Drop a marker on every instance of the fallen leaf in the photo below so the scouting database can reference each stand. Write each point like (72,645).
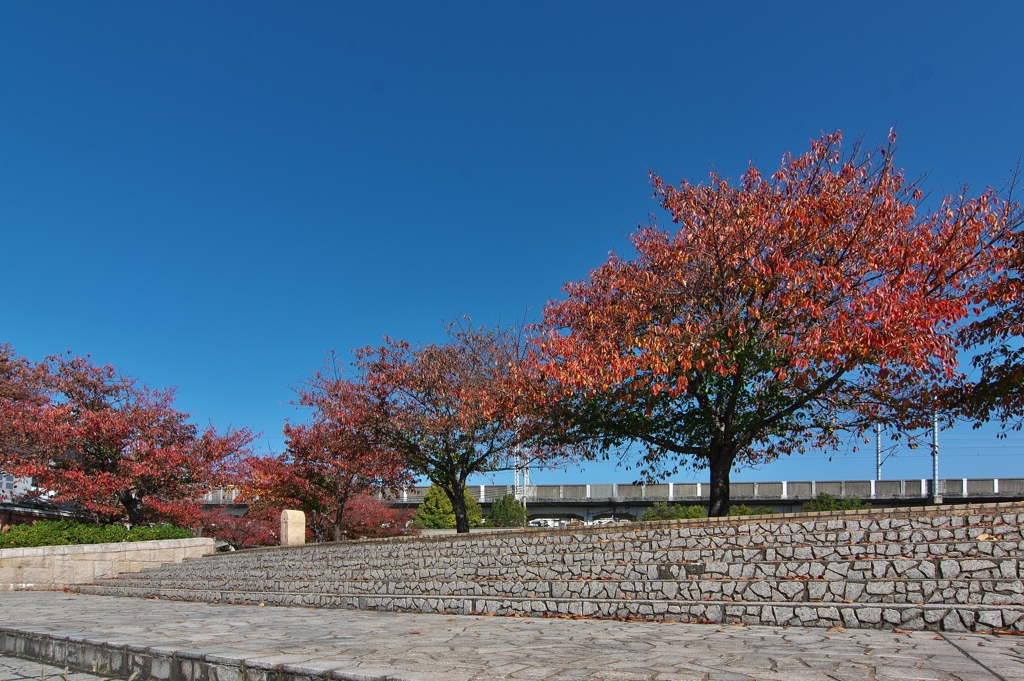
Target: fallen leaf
(835,629)
(897,630)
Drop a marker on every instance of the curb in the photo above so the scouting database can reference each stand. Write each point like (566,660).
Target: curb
(79,652)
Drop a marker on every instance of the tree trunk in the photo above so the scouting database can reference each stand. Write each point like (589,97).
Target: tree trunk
(458,499)
(134,508)
(720,466)
(340,499)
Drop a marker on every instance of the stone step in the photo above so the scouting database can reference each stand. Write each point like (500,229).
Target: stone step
(878,615)
(937,524)
(642,540)
(274,564)
(950,591)
(955,569)
(860,569)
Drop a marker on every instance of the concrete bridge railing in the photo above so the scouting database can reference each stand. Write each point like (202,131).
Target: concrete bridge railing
(961,489)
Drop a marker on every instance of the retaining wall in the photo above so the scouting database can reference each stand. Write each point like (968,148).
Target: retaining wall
(58,567)
(956,568)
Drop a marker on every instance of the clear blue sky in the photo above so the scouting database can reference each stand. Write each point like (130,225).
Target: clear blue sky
(213,195)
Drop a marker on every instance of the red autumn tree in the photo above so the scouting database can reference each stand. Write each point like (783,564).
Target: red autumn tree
(455,409)
(331,459)
(22,397)
(996,390)
(117,448)
(257,527)
(369,516)
(768,318)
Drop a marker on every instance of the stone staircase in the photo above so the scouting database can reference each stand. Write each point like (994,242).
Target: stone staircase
(954,568)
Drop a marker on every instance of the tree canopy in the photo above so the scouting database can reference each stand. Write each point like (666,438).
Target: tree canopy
(331,459)
(779,311)
(117,449)
(455,409)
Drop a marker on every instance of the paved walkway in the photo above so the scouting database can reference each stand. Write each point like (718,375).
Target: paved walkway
(252,642)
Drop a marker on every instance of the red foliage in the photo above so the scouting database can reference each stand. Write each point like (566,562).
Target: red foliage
(369,517)
(331,459)
(258,527)
(455,409)
(779,311)
(113,446)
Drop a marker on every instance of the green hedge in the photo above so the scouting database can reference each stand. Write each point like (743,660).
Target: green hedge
(664,511)
(743,509)
(56,533)
(827,502)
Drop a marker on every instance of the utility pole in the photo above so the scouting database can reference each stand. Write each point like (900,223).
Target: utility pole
(936,493)
(521,477)
(878,451)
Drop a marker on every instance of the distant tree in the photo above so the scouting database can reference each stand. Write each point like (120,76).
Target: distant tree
(455,409)
(115,447)
(369,517)
(507,512)
(778,314)
(258,527)
(337,454)
(437,513)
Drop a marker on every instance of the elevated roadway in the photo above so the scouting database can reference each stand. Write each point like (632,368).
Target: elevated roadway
(629,501)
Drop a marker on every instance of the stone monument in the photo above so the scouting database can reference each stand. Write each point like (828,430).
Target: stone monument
(293,528)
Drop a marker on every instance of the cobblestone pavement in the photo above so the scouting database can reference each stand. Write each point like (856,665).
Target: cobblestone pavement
(371,646)
(17,669)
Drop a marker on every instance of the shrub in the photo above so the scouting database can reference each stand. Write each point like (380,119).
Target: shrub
(153,532)
(59,532)
(827,502)
(664,511)
(743,509)
(368,517)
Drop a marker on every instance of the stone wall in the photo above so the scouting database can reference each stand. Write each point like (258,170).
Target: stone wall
(58,567)
(954,568)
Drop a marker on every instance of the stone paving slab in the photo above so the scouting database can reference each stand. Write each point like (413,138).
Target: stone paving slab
(180,641)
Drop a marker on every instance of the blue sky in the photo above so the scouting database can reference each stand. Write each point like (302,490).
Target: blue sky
(213,195)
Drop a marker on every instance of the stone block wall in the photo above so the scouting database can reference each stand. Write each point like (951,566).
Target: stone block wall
(958,568)
(58,567)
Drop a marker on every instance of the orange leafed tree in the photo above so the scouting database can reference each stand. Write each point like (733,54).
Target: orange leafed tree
(996,388)
(108,444)
(455,409)
(332,459)
(779,311)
